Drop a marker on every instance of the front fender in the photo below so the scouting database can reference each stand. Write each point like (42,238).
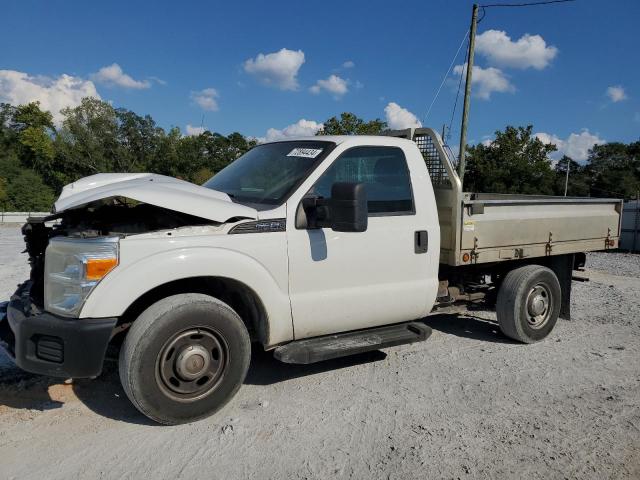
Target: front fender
(128,282)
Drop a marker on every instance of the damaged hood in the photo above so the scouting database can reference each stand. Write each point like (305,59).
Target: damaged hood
(158,190)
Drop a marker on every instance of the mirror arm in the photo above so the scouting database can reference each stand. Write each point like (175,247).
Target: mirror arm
(317,212)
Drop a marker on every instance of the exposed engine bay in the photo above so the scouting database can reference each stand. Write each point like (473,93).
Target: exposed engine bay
(110,217)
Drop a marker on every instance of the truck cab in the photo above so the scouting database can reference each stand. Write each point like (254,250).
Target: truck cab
(312,247)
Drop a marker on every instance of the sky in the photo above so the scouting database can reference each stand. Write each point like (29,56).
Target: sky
(272,69)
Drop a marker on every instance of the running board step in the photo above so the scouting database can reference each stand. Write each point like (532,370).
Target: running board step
(317,349)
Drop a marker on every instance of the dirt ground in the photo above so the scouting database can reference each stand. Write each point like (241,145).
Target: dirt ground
(467,403)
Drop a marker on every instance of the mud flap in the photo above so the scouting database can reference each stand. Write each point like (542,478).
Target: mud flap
(562,266)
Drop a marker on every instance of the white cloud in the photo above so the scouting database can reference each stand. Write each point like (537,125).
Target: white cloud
(159,81)
(616,93)
(399,118)
(348,64)
(193,131)
(334,84)
(302,128)
(113,76)
(53,94)
(278,69)
(486,80)
(529,51)
(576,145)
(206,99)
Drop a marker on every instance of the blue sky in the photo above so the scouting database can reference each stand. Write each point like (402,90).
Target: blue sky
(574,77)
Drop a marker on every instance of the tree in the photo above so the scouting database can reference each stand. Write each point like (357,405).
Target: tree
(614,169)
(4,196)
(27,192)
(350,124)
(578,185)
(34,129)
(515,162)
(139,139)
(87,142)
(37,160)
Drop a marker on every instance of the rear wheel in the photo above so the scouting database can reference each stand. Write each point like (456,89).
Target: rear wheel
(528,303)
(184,358)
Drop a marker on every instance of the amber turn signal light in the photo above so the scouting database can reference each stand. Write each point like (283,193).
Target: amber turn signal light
(97,268)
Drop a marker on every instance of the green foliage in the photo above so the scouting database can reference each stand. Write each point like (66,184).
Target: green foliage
(614,169)
(4,195)
(27,192)
(515,162)
(37,159)
(350,124)
(34,128)
(578,185)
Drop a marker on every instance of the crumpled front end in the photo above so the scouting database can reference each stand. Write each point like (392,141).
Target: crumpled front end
(47,344)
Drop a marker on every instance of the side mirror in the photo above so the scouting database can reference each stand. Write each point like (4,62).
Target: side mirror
(345,211)
(348,210)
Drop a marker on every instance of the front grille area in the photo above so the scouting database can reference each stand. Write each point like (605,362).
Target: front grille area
(50,349)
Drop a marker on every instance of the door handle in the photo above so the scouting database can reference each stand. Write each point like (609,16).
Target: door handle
(421,241)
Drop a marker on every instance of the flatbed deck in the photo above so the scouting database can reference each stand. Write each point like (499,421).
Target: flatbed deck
(486,227)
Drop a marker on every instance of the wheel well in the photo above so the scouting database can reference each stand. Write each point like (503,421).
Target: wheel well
(237,295)
(562,265)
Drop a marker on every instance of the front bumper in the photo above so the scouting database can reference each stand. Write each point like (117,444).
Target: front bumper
(43,343)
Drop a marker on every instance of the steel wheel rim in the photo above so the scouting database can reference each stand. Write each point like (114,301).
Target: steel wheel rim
(191,364)
(539,306)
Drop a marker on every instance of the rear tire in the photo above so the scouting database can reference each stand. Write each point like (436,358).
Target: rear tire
(184,358)
(528,303)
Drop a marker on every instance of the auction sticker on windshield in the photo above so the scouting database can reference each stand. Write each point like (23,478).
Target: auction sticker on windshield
(304,152)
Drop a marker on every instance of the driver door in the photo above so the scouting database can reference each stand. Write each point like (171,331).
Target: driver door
(346,281)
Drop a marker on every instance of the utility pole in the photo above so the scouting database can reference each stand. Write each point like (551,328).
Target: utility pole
(467,93)
(637,221)
(566,180)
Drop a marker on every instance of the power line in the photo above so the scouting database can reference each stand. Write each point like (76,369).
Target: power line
(444,79)
(453,112)
(530,4)
(483,14)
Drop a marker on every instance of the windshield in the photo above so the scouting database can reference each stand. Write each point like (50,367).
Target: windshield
(268,173)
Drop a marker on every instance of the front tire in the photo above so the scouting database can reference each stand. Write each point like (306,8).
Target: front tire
(528,303)
(184,358)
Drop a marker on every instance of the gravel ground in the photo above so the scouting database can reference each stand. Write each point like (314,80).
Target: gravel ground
(468,403)
(624,264)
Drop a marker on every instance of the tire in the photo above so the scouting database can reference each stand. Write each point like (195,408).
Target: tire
(184,358)
(528,303)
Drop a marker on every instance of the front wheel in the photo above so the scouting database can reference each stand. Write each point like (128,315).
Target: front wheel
(528,303)
(184,358)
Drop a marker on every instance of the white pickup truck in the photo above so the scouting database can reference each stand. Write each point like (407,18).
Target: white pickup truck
(314,248)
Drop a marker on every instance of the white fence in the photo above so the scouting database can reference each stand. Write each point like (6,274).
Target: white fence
(19,217)
(630,237)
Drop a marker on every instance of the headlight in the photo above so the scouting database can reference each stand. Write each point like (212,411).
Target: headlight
(73,267)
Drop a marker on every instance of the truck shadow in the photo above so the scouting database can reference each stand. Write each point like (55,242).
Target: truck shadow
(466,326)
(266,370)
(105,396)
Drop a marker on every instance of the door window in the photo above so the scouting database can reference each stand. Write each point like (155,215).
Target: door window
(383,170)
